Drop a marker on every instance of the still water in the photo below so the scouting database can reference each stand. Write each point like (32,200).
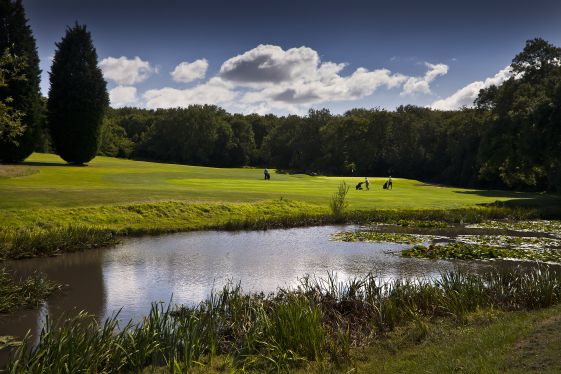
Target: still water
(188,265)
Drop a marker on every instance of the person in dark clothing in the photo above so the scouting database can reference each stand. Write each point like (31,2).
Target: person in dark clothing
(267,174)
(359,186)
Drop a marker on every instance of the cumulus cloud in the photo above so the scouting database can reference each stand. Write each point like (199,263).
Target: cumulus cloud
(415,85)
(270,64)
(297,95)
(124,71)
(187,72)
(215,91)
(268,78)
(466,95)
(123,96)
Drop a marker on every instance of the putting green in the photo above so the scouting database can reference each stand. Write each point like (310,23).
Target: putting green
(44,180)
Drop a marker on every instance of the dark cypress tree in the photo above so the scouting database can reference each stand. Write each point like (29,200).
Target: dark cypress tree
(17,38)
(77,97)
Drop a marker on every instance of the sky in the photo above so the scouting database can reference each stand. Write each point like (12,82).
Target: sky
(285,57)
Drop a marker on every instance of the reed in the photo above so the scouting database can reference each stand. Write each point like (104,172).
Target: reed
(319,322)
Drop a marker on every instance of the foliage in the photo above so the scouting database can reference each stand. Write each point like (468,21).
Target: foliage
(20,100)
(316,322)
(77,97)
(338,202)
(11,127)
(521,147)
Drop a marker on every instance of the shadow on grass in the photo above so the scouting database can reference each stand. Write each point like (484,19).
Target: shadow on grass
(504,194)
(547,203)
(37,163)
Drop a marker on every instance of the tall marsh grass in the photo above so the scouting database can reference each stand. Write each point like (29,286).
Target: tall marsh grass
(318,321)
(46,241)
(338,203)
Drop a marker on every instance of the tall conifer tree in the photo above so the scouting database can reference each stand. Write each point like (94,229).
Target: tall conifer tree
(77,97)
(17,38)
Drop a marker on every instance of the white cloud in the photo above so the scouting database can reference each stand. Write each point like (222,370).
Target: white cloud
(123,96)
(124,71)
(215,91)
(268,79)
(421,85)
(466,95)
(187,72)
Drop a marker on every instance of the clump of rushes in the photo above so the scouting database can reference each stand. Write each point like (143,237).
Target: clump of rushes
(23,293)
(316,323)
(464,251)
(338,203)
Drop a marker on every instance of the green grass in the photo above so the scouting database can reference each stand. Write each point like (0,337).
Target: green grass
(115,181)
(61,208)
(489,342)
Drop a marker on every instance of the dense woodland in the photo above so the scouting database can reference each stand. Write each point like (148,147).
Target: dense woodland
(510,139)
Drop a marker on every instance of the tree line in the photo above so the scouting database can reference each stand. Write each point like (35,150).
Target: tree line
(510,139)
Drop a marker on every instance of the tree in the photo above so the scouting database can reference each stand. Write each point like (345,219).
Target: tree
(78,97)
(23,94)
(520,147)
(11,127)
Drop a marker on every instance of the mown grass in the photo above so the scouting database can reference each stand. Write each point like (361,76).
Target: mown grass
(108,181)
(318,324)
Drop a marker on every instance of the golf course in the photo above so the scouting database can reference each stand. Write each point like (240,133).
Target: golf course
(46,181)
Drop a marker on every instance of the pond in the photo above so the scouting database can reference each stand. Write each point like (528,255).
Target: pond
(189,265)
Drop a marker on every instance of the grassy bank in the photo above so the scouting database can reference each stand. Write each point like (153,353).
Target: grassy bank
(487,341)
(322,325)
(43,232)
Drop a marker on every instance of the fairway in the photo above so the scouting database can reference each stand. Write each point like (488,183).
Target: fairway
(45,181)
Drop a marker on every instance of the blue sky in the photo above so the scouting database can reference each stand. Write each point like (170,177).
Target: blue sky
(287,56)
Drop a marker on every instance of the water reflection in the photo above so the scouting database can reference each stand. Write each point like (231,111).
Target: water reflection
(189,265)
